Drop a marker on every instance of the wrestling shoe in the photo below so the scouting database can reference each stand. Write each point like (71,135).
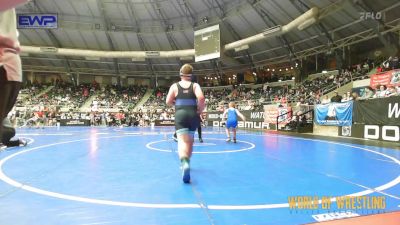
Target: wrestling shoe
(185,171)
(234,140)
(23,142)
(201,140)
(2,146)
(228,140)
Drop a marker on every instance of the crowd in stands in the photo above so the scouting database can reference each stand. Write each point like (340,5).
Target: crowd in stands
(117,97)
(309,92)
(390,64)
(62,94)
(113,105)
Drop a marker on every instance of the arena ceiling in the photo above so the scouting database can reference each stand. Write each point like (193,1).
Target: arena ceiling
(167,25)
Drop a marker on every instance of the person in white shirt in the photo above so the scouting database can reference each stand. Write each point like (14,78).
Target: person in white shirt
(345,98)
(382,92)
(391,91)
(326,100)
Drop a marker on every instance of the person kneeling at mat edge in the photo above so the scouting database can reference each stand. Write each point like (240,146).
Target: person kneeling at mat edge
(8,135)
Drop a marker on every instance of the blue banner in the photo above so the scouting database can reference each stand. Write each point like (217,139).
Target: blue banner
(334,114)
(37,21)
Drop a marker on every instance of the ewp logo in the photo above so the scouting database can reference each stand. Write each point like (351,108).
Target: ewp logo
(32,21)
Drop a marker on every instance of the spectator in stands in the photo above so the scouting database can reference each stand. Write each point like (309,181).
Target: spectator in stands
(349,96)
(381,92)
(394,64)
(326,100)
(336,97)
(345,98)
(387,64)
(395,78)
(354,96)
(391,91)
(368,93)
(301,107)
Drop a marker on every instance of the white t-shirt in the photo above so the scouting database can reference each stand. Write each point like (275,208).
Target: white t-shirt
(9,45)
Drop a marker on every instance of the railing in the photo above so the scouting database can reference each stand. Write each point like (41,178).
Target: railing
(303,122)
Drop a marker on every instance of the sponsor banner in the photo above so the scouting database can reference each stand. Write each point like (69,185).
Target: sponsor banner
(380,111)
(214,115)
(165,122)
(250,115)
(37,21)
(374,132)
(387,78)
(285,115)
(255,116)
(65,122)
(244,124)
(254,119)
(271,112)
(334,114)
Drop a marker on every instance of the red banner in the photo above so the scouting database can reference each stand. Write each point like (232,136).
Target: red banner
(388,78)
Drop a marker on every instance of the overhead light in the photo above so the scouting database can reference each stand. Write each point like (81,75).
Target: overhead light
(291,67)
(186,58)
(152,54)
(268,69)
(273,70)
(254,73)
(205,38)
(138,59)
(324,71)
(307,23)
(92,58)
(241,48)
(287,69)
(48,49)
(280,69)
(293,78)
(271,30)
